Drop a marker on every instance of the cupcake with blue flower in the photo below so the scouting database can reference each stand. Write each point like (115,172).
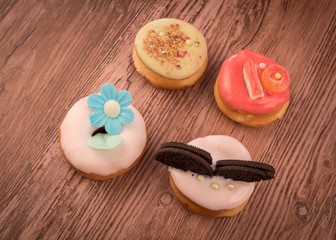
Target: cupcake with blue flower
(103,135)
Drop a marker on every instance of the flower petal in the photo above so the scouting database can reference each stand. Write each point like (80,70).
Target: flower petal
(113,126)
(108,91)
(96,102)
(98,119)
(126,116)
(124,98)
(104,141)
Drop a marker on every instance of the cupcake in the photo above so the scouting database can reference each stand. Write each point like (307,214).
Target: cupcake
(214,175)
(170,53)
(251,89)
(103,136)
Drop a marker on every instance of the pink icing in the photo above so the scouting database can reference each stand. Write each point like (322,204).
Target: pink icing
(233,90)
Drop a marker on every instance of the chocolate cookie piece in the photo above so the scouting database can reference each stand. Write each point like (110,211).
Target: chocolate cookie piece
(184,160)
(240,173)
(202,153)
(268,169)
(189,158)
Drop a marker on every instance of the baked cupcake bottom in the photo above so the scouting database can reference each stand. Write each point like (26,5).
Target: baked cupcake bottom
(160,81)
(191,205)
(245,118)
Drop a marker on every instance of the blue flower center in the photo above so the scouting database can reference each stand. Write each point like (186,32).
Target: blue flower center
(112,108)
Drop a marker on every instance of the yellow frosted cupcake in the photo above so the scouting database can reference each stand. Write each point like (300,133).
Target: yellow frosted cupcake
(170,53)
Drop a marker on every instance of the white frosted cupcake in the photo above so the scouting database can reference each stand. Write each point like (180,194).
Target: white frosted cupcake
(103,136)
(206,176)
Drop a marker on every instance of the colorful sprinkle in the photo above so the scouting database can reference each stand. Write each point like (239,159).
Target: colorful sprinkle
(165,45)
(200,178)
(262,65)
(269,93)
(188,42)
(214,186)
(230,187)
(278,76)
(181,54)
(184,37)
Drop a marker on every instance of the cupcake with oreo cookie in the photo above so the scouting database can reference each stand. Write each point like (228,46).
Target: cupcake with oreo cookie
(214,175)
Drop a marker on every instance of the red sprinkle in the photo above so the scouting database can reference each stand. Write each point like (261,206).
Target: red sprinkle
(184,37)
(181,54)
(269,93)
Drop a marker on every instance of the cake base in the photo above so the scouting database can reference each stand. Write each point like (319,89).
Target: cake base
(191,205)
(245,118)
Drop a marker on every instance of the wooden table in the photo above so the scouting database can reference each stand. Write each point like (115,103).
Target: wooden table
(52,53)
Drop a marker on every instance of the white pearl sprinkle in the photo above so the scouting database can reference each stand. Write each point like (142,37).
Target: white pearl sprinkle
(214,186)
(262,65)
(200,178)
(230,187)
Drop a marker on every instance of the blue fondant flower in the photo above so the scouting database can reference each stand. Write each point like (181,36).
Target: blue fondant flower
(110,109)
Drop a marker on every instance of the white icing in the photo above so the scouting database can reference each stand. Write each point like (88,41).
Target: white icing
(220,147)
(76,129)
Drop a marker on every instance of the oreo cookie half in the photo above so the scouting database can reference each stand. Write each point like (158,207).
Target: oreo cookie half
(244,163)
(183,159)
(239,173)
(202,153)
(268,169)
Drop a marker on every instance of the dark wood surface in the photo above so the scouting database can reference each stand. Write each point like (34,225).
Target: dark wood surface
(52,53)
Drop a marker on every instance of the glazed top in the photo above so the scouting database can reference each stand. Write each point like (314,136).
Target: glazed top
(215,193)
(76,130)
(232,88)
(171,47)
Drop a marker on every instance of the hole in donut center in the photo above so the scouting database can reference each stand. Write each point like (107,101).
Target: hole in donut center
(99,130)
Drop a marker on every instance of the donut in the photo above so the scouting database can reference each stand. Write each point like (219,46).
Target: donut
(251,89)
(170,53)
(103,136)
(221,189)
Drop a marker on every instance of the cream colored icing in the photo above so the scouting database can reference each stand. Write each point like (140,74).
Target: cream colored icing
(76,129)
(190,63)
(220,147)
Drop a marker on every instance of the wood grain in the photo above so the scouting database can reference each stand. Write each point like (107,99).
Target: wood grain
(52,53)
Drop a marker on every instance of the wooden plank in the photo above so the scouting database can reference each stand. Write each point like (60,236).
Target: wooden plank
(54,53)
(326,221)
